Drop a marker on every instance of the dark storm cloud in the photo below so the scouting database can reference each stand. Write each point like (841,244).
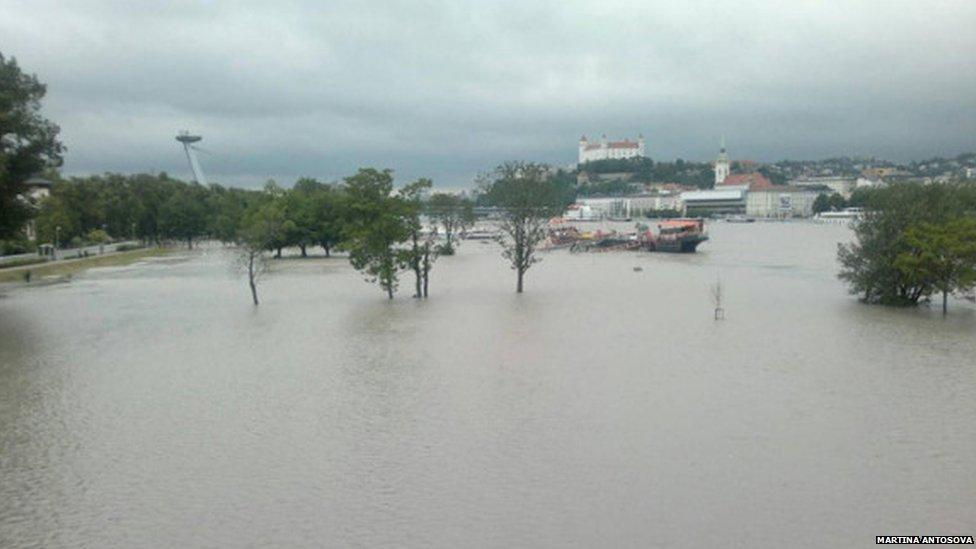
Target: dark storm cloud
(447,89)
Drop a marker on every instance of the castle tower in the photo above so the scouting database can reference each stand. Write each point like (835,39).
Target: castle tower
(640,145)
(582,149)
(721,164)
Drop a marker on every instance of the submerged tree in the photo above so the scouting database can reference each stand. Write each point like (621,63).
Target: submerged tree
(452,212)
(252,259)
(417,255)
(261,231)
(869,264)
(942,255)
(329,204)
(374,226)
(718,295)
(527,198)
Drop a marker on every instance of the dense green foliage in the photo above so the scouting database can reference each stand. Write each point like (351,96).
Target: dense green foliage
(698,174)
(376,222)
(149,207)
(28,143)
(912,242)
(942,255)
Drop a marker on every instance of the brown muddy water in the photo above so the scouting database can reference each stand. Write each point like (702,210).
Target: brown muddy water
(153,406)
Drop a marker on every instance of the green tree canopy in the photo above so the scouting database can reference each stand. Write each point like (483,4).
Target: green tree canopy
(870,264)
(375,223)
(528,198)
(28,143)
(941,256)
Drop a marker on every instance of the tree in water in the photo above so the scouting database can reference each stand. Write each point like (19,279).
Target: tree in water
(527,198)
(300,210)
(870,264)
(261,229)
(252,260)
(942,255)
(28,143)
(375,225)
(718,297)
(429,254)
(329,207)
(452,212)
(418,255)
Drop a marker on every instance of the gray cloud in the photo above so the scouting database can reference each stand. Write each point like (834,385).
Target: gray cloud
(446,89)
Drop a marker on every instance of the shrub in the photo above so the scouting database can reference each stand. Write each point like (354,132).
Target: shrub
(22,261)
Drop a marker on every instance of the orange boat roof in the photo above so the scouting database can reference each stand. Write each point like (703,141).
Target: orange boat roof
(678,223)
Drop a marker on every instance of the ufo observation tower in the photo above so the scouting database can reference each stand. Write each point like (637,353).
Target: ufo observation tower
(191,156)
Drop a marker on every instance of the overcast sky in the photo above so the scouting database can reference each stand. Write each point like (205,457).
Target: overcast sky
(448,89)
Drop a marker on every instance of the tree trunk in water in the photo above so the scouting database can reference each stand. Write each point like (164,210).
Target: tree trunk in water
(419,279)
(518,288)
(189,243)
(302,246)
(426,280)
(327,252)
(278,253)
(945,302)
(389,291)
(250,279)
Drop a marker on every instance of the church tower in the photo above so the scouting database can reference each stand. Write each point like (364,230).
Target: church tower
(582,149)
(721,164)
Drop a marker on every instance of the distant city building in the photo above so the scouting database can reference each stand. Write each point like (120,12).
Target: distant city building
(722,165)
(610,150)
(970,173)
(837,184)
(580,212)
(606,207)
(723,200)
(868,181)
(621,207)
(781,202)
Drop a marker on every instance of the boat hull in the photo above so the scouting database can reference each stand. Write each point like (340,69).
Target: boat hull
(684,245)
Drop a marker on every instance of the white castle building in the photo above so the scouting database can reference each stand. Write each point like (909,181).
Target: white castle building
(610,150)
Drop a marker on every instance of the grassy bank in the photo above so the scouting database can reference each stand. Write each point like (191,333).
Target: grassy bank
(69,267)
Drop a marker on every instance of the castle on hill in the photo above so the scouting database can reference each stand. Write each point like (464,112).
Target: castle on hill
(610,150)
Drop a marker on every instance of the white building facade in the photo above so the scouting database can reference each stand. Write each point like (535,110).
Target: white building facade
(837,184)
(783,202)
(610,150)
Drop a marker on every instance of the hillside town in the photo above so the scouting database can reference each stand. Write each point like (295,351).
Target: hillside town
(617,180)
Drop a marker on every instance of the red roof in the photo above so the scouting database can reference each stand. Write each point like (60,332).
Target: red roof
(623,145)
(613,145)
(755,180)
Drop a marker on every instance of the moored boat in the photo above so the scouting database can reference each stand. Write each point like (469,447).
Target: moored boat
(740,219)
(677,236)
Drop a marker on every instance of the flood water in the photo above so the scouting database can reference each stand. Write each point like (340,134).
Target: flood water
(153,406)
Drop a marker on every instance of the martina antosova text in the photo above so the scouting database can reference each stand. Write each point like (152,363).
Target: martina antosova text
(923,540)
